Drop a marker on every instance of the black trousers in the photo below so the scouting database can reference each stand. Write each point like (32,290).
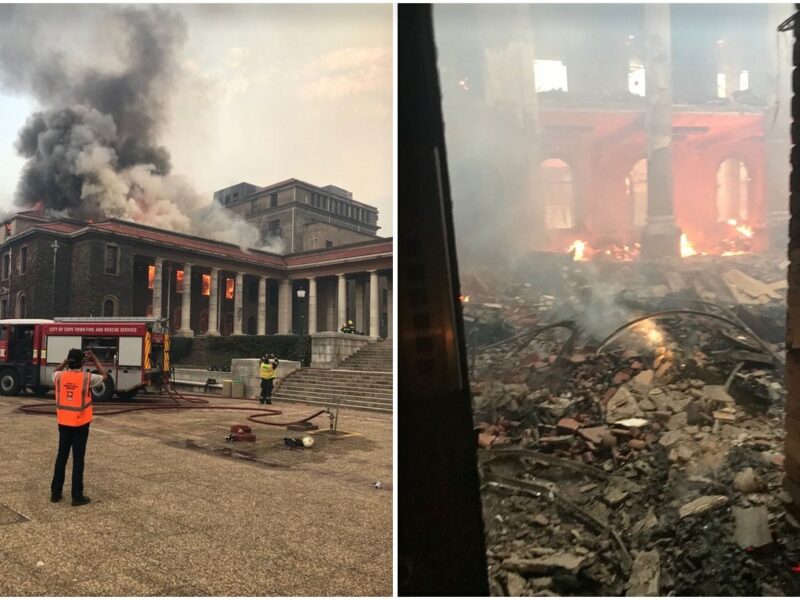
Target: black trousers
(266,389)
(73,438)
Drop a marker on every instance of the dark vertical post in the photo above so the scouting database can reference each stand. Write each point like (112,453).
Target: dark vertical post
(440,528)
(792,418)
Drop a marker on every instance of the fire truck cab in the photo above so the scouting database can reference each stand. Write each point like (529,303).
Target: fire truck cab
(135,351)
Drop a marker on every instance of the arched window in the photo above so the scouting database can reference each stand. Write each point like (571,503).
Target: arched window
(204,320)
(177,319)
(733,191)
(22,307)
(109,307)
(251,326)
(636,184)
(559,194)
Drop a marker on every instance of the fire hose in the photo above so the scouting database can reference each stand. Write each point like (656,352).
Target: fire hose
(177,402)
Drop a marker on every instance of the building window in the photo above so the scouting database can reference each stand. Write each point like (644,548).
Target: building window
(21,306)
(557,188)
(227,324)
(251,326)
(204,320)
(6,264)
(252,291)
(112,260)
(722,88)
(636,183)
(151,276)
(328,244)
(274,228)
(229,288)
(236,196)
(109,307)
(744,81)
(179,281)
(205,285)
(3,308)
(636,79)
(733,187)
(550,75)
(273,200)
(23,260)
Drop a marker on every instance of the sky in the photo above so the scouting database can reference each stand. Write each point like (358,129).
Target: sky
(267,93)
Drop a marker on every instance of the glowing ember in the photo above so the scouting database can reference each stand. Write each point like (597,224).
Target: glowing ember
(464,299)
(732,222)
(578,248)
(687,249)
(745,230)
(650,331)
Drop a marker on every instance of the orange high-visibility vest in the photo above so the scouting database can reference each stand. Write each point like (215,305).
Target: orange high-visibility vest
(74,398)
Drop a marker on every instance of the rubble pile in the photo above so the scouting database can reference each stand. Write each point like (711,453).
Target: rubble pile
(630,425)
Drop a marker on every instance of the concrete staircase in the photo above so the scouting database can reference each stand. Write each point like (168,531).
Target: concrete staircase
(364,381)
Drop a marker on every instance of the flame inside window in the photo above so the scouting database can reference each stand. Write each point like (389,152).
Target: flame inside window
(151,276)
(179,281)
(229,287)
(205,285)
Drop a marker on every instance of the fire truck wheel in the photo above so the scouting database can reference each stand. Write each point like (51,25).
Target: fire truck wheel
(9,383)
(129,395)
(102,392)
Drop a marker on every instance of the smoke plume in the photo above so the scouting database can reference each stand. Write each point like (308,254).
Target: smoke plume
(103,77)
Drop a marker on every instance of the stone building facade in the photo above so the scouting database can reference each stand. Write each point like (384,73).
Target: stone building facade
(295,216)
(116,268)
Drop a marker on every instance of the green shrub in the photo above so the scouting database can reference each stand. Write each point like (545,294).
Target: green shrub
(180,349)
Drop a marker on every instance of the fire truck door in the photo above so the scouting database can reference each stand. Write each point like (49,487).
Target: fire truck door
(129,363)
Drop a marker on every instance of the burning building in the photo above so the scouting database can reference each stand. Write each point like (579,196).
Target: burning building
(656,129)
(65,267)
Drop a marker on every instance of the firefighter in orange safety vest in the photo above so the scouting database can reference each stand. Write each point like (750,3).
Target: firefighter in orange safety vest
(74,415)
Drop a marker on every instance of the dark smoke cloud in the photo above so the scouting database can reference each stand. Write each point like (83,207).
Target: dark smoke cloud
(103,76)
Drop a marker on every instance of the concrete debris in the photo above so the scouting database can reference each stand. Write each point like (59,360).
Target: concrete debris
(752,527)
(645,574)
(672,418)
(701,505)
(545,564)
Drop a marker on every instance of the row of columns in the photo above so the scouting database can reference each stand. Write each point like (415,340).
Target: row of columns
(284,302)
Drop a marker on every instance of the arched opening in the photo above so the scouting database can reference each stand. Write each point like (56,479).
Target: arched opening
(636,187)
(733,191)
(203,320)
(22,308)
(176,319)
(251,326)
(110,307)
(559,194)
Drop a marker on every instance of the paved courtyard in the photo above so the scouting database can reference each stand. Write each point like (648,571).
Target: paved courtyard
(178,511)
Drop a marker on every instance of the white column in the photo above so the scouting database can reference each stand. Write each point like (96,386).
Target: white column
(361,321)
(213,298)
(237,305)
(157,285)
(262,306)
(389,306)
(342,302)
(285,307)
(312,305)
(330,306)
(186,306)
(374,329)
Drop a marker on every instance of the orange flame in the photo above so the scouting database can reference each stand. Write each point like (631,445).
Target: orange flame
(687,249)
(579,249)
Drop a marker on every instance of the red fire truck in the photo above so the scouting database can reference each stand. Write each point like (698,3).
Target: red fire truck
(135,351)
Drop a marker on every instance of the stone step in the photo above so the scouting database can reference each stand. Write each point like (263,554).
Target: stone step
(328,391)
(331,397)
(344,380)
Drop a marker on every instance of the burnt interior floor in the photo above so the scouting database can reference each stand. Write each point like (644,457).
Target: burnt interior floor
(639,460)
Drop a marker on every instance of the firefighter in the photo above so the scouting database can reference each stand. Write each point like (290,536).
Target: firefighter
(348,327)
(267,371)
(74,415)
